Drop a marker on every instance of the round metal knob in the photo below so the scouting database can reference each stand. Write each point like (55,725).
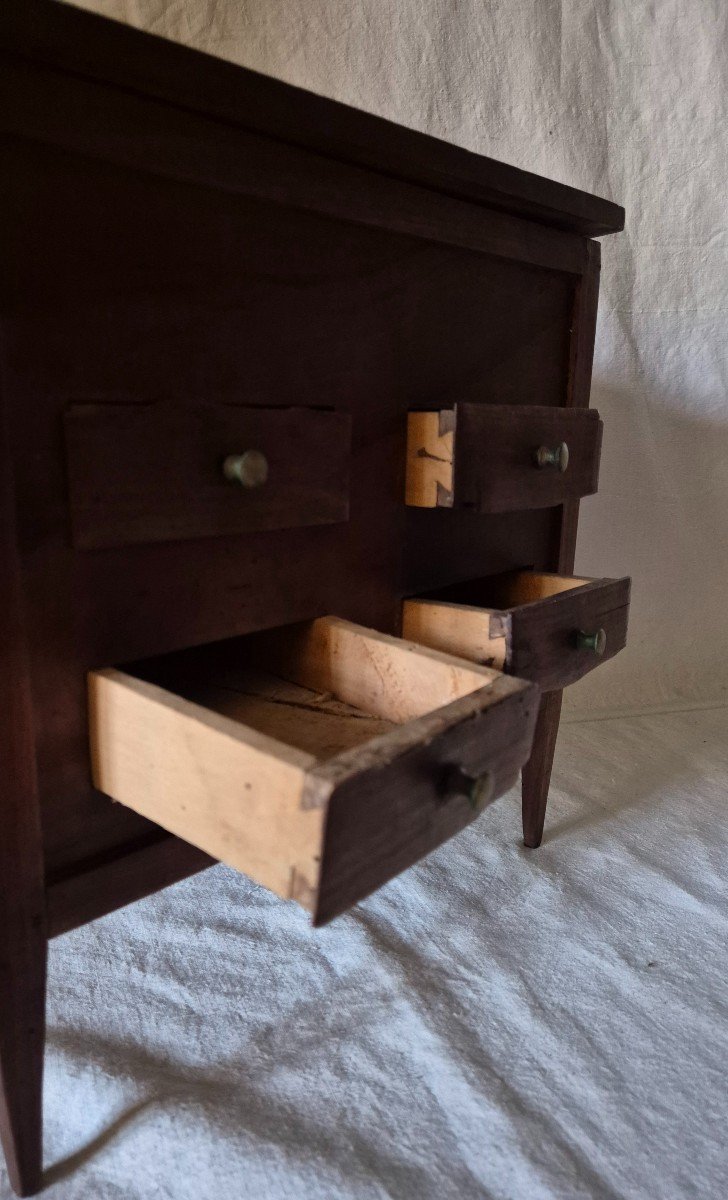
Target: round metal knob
(557,457)
(478,789)
(248,470)
(596,642)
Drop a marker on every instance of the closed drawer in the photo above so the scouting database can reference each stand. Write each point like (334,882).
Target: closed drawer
(162,472)
(321,759)
(494,458)
(551,629)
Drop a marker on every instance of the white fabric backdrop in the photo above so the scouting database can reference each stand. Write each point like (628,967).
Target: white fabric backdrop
(625,98)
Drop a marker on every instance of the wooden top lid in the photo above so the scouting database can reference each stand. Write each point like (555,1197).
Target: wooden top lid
(71,40)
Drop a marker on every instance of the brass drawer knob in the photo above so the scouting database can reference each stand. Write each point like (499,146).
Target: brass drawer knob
(478,789)
(248,470)
(597,642)
(557,457)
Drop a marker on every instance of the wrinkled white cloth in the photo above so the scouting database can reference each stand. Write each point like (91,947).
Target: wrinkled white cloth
(496,1023)
(628,100)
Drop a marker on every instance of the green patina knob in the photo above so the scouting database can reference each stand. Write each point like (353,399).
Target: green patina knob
(597,642)
(480,792)
(248,470)
(477,789)
(557,457)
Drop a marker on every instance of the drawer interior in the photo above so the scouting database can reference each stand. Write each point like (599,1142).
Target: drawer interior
(311,720)
(244,746)
(507,590)
(322,687)
(549,628)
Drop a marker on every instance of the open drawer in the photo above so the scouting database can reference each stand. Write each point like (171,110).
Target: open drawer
(493,458)
(321,759)
(551,629)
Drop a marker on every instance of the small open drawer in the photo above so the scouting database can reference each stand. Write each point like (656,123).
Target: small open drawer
(321,759)
(551,629)
(493,458)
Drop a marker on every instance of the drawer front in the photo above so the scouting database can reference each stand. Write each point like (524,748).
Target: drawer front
(551,629)
(320,759)
(502,458)
(151,473)
(558,639)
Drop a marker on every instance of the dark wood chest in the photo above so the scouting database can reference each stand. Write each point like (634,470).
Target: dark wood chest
(289,394)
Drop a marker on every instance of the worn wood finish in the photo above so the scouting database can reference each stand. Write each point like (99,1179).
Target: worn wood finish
(495,448)
(149,473)
(300,716)
(537,771)
(359,711)
(562,550)
(468,630)
(235,793)
(383,675)
(374,832)
(483,457)
(179,293)
(87,46)
(526,622)
(581,356)
(188,149)
(430,454)
(22,907)
(178,232)
(526,587)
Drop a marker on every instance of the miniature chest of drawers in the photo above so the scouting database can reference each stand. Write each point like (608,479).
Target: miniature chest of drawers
(295,425)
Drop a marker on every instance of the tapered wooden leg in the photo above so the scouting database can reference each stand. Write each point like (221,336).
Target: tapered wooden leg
(23,942)
(22,1039)
(537,771)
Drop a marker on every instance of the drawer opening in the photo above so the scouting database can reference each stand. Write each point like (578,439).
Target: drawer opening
(226,680)
(321,686)
(321,758)
(549,628)
(493,458)
(506,590)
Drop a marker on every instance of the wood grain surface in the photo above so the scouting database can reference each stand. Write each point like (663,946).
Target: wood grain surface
(495,448)
(92,48)
(170,293)
(23,943)
(246,763)
(150,473)
(527,622)
(562,549)
(374,831)
(177,231)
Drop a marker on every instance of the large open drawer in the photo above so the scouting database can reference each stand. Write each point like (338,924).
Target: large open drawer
(322,759)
